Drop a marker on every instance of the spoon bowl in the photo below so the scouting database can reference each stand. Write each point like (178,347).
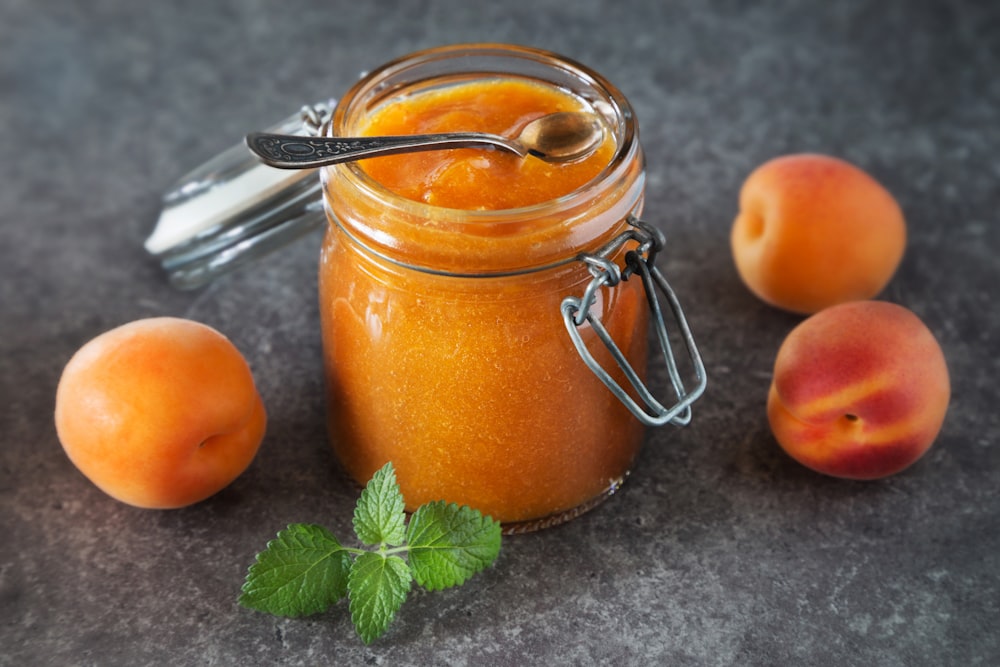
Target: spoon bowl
(557,137)
(562,137)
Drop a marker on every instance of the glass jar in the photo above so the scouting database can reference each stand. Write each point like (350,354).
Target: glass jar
(497,357)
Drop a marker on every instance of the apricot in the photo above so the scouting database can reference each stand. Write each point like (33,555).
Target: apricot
(814,231)
(859,390)
(159,413)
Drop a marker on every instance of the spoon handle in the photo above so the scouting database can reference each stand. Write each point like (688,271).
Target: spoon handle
(287,151)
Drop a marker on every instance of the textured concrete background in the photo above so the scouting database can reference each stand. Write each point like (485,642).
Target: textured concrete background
(719,550)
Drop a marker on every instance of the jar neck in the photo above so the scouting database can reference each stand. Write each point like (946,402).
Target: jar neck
(476,242)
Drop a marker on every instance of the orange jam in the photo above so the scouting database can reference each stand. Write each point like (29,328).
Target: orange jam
(476,179)
(441,279)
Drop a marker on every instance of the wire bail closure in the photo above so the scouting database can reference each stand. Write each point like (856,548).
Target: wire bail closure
(577,311)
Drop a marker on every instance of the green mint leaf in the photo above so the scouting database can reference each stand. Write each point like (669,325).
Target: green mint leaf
(379,517)
(302,571)
(377,586)
(448,544)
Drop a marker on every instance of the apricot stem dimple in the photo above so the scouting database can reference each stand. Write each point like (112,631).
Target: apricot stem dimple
(754,224)
(851,418)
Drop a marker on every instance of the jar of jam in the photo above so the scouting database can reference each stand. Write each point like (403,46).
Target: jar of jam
(474,304)
(484,316)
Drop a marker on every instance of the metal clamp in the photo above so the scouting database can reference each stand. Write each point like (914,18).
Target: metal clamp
(577,311)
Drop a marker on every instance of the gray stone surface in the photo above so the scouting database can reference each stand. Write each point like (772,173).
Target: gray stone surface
(719,550)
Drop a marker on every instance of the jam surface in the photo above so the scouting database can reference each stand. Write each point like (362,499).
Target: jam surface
(472,178)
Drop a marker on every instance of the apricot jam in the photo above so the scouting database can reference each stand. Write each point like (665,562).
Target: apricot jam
(441,279)
(476,179)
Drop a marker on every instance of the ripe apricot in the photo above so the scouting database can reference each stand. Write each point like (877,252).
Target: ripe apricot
(860,390)
(160,412)
(814,231)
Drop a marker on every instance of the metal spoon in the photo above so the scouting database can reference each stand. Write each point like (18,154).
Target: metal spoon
(556,137)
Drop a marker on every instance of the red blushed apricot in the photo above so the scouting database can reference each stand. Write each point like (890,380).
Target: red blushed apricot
(860,390)
(159,413)
(814,231)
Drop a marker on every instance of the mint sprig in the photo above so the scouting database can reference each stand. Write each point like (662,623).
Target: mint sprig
(305,569)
